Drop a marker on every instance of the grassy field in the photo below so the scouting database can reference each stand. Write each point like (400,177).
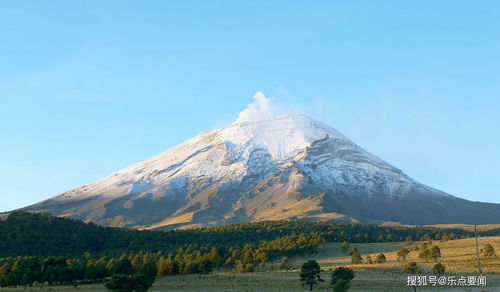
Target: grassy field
(484,227)
(467,227)
(458,256)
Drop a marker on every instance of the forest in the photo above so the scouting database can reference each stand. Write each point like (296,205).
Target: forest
(38,247)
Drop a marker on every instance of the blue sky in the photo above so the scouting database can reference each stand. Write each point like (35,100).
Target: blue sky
(89,87)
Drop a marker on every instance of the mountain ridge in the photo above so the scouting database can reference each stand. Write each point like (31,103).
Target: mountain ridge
(290,167)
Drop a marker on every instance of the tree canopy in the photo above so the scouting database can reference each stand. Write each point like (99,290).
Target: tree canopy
(341,279)
(310,274)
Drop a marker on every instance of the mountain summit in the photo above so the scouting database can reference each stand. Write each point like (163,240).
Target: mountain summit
(290,167)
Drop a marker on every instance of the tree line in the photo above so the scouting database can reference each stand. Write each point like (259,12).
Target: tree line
(45,235)
(193,259)
(179,258)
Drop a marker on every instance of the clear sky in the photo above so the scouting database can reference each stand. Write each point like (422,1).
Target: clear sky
(89,87)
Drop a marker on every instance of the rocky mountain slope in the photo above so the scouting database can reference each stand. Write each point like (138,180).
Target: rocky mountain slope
(290,167)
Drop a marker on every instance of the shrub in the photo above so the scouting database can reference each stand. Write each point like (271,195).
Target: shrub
(412,268)
(344,246)
(488,250)
(424,254)
(439,269)
(403,253)
(285,263)
(356,258)
(129,283)
(435,253)
(380,258)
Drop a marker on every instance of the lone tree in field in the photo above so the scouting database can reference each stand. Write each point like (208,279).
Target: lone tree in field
(424,254)
(285,263)
(380,259)
(341,279)
(488,251)
(435,253)
(439,269)
(356,257)
(411,268)
(310,274)
(344,246)
(403,253)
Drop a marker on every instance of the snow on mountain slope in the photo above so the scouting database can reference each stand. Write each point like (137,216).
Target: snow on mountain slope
(287,167)
(230,151)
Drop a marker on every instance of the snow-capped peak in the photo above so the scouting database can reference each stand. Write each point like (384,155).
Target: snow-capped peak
(259,169)
(282,137)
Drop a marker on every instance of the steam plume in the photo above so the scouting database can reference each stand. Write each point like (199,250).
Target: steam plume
(260,109)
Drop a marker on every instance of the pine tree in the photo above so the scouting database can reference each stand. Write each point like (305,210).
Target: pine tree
(344,246)
(435,253)
(161,267)
(412,268)
(310,274)
(341,279)
(123,266)
(424,254)
(403,253)
(285,263)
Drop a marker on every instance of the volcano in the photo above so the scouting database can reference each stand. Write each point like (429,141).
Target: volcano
(289,167)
